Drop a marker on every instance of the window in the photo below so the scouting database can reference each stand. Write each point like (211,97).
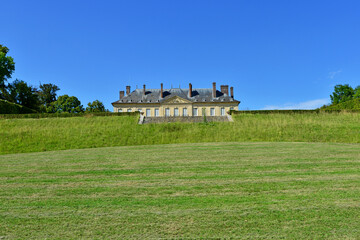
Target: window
(232,108)
(156,112)
(222,111)
(176,112)
(148,112)
(129,110)
(184,111)
(195,111)
(167,112)
(139,110)
(212,111)
(120,110)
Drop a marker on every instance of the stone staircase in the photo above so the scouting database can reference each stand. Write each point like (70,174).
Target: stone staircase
(189,119)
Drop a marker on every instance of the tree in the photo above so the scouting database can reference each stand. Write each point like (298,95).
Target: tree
(95,106)
(357,92)
(47,93)
(7,67)
(65,103)
(342,93)
(21,93)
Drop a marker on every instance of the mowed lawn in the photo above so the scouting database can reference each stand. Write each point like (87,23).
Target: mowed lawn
(224,190)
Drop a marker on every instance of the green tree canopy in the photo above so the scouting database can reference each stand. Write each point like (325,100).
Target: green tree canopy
(95,106)
(7,67)
(342,93)
(66,103)
(357,92)
(21,93)
(47,93)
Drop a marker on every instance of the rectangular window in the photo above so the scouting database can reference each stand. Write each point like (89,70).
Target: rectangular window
(195,111)
(212,111)
(139,110)
(120,110)
(176,112)
(222,111)
(129,110)
(156,112)
(148,112)
(184,111)
(167,112)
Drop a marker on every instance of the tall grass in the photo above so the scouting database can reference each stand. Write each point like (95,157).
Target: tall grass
(34,135)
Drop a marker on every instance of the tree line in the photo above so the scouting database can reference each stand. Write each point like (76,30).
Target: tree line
(43,99)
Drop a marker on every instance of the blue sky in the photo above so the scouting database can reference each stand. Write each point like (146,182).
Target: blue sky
(276,54)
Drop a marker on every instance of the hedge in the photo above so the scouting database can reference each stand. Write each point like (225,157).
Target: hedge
(64,115)
(291,111)
(7,107)
(353,104)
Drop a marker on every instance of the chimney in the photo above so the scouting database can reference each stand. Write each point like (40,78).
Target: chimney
(232,92)
(190,90)
(121,94)
(127,90)
(162,92)
(225,89)
(214,90)
(144,90)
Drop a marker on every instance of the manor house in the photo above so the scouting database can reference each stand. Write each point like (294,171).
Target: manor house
(177,101)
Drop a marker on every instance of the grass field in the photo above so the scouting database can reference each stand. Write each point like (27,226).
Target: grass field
(35,135)
(239,190)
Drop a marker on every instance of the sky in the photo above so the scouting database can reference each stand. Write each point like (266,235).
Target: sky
(276,54)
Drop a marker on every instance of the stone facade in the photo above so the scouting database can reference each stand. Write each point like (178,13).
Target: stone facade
(176,102)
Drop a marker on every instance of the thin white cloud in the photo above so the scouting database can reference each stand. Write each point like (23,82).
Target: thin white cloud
(312,104)
(332,75)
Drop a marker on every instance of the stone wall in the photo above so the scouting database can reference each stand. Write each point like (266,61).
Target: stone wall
(186,119)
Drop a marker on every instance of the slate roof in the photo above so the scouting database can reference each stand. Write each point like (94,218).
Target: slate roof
(153,96)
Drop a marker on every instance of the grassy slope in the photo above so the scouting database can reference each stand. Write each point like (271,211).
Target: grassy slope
(34,135)
(240,190)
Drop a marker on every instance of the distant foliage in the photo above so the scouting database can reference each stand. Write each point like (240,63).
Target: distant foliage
(47,93)
(353,104)
(95,106)
(342,93)
(357,92)
(21,93)
(344,97)
(65,103)
(42,100)
(7,67)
